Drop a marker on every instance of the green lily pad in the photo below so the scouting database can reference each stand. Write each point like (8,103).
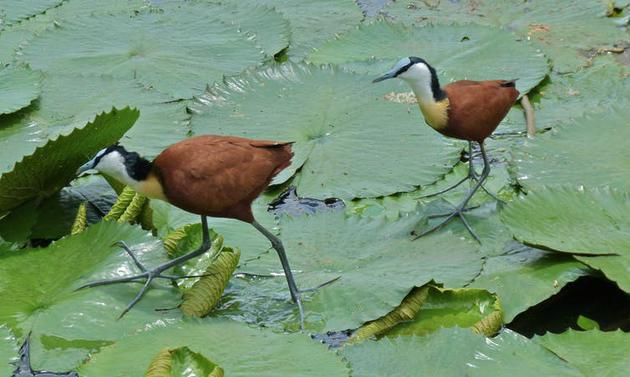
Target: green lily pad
(16,10)
(376,261)
(563,219)
(62,107)
(238,349)
(569,32)
(53,165)
(615,267)
(455,352)
(177,51)
(312,21)
(594,353)
(341,147)
(19,86)
(458,52)
(589,152)
(8,351)
(452,308)
(37,286)
(597,89)
(542,274)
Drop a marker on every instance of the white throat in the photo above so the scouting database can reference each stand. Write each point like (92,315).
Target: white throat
(113,164)
(418,77)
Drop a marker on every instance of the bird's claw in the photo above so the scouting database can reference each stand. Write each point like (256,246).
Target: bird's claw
(457,212)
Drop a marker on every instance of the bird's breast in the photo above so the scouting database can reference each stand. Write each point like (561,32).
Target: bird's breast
(435,113)
(152,188)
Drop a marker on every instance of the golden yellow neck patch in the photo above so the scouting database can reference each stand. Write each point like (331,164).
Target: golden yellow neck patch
(435,113)
(151,188)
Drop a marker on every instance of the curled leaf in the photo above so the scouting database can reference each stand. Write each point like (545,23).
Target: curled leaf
(133,210)
(80,222)
(406,311)
(123,201)
(206,292)
(182,361)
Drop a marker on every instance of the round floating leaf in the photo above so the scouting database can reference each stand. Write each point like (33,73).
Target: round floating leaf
(37,286)
(177,51)
(573,221)
(349,141)
(594,353)
(592,152)
(375,259)
(19,85)
(568,31)
(455,352)
(615,267)
(16,10)
(540,273)
(597,89)
(63,107)
(237,348)
(458,52)
(312,21)
(53,165)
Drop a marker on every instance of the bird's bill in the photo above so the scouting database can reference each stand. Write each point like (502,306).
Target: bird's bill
(389,75)
(85,167)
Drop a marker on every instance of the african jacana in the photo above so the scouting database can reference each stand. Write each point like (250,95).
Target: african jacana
(217,176)
(466,110)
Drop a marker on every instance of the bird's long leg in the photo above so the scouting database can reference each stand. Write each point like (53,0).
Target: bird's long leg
(460,209)
(276,243)
(471,175)
(156,273)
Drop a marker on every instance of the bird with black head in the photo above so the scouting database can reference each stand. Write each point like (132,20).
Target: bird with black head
(466,110)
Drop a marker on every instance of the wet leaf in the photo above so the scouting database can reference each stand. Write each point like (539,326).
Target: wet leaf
(377,263)
(8,351)
(457,52)
(455,352)
(583,152)
(594,353)
(225,343)
(331,130)
(177,52)
(19,86)
(53,165)
(13,11)
(539,273)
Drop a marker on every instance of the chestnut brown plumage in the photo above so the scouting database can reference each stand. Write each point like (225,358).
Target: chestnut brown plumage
(218,176)
(467,110)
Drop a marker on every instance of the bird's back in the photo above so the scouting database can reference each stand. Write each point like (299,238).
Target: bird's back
(220,176)
(477,107)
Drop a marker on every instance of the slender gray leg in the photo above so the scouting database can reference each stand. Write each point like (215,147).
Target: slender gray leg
(156,273)
(460,209)
(276,243)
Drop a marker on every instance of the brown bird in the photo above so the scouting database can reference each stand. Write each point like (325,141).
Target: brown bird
(217,176)
(466,110)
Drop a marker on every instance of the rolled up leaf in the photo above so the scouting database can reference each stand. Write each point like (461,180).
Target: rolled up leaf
(80,221)
(182,361)
(123,201)
(203,296)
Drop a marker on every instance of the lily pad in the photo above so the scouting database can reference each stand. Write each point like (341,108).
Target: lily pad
(542,274)
(19,86)
(589,152)
(458,52)
(37,286)
(312,21)
(594,353)
(341,147)
(63,107)
(238,349)
(569,32)
(182,362)
(16,10)
(177,51)
(455,352)
(53,165)
(585,221)
(376,261)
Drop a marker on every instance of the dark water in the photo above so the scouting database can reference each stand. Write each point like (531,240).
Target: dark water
(289,203)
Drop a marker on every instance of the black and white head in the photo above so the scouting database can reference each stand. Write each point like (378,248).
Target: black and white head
(120,164)
(417,73)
